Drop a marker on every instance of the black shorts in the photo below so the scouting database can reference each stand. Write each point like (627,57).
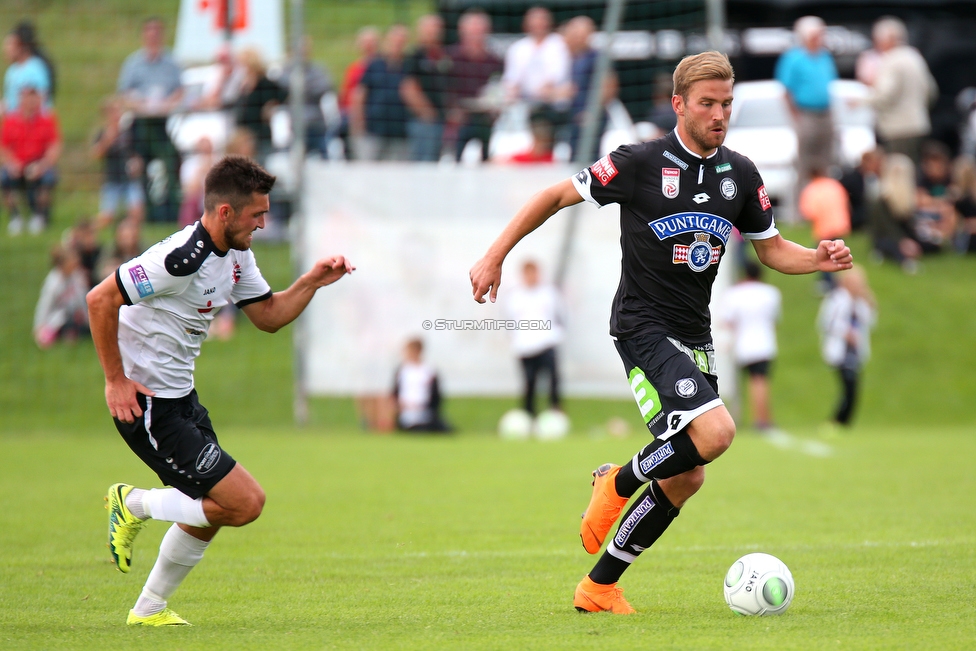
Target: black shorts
(673,382)
(760,368)
(175,438)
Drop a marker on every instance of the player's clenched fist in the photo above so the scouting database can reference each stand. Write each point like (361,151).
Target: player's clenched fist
(834,255)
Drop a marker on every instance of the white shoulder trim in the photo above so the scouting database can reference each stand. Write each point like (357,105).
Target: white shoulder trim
(582,181)
(772,231)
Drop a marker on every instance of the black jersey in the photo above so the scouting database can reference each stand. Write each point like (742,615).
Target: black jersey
(677,211)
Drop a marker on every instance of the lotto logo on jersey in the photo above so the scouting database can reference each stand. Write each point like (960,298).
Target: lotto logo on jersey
(670,180)
(603,170)
(699,256)
(764,202)
(141,280)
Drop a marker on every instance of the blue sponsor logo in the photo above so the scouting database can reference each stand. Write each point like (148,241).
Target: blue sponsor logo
(686,222)
(653,461)
(674,159)
(141,281)
(643,508)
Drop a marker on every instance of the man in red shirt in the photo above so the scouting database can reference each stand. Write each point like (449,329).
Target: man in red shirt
(30,145)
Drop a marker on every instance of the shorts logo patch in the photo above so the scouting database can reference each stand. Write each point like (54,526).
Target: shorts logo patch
(627,526)
(208,458)
(699,256)
(674,159)
(670,181)
(657,458)
(728,189)
(764,201)
(141,280)
(686,387)
(603,170)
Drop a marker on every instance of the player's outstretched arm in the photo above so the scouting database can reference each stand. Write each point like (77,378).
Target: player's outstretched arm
(791,258)
(284,307)
(104,301)
(486,274)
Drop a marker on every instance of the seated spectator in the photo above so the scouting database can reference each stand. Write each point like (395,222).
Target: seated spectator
(935,217)
(24,70)
(122,166)
(377,115)
(84,241)
(126,245)
(30,145)
(890,216)
(537,67)
(27,34)
(150,86)
(424,90)
(61,310)
(417,393)
(257,102)
(317,84)
(964,194)
(192,173)
(825,204)
(542,142)
(472,69)
(578,32)
(861,184)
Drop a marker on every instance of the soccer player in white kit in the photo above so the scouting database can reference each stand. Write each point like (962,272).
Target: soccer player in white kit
(148,322)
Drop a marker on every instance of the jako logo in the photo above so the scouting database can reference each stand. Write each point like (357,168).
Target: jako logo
(659,455)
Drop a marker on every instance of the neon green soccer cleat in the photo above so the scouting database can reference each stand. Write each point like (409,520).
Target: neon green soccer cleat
(165,617)
(122,526)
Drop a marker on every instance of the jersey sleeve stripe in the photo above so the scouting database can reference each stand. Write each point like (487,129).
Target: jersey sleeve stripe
(257,299)
(583,187)
(125,294)
(772,231)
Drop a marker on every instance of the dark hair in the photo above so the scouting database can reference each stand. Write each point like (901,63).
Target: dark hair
(233,180)
(27,35)
(752,270)
(416,343)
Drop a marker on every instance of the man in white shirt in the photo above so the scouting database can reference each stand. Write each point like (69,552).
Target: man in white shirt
(902,92)
(148,321)
(537,67)
(539,308)
(751,309)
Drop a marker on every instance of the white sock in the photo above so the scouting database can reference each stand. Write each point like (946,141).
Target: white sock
(133,501)
(171,505)
(178,554)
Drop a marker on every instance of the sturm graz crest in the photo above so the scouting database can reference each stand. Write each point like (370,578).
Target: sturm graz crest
(699,255)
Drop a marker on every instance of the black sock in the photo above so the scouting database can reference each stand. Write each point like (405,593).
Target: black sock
(659,459)
(644,523)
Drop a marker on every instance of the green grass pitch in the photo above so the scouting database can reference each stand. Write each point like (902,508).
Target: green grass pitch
(471,542)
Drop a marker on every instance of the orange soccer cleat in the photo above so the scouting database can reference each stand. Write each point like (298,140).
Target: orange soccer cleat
(593,597)
(603,510)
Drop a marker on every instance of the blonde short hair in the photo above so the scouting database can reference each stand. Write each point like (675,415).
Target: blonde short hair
(701,67)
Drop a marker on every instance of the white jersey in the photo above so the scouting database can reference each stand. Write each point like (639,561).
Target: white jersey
(752,309)
(172,293)
(541,305)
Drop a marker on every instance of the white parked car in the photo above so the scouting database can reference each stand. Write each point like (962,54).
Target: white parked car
(762,129)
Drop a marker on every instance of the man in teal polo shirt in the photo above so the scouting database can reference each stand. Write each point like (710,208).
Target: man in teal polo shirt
(807,70)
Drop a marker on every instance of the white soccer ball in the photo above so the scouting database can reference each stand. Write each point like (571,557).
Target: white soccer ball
(551,425)
(515,425)
(759,584)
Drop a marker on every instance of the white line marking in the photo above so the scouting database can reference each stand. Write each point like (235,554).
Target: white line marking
(786,441)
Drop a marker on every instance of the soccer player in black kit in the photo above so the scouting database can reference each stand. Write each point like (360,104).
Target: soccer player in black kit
(680,197)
